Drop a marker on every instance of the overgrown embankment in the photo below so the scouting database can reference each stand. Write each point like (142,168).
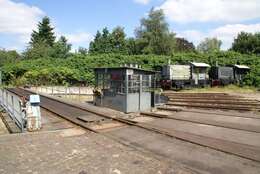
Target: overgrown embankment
(79,68)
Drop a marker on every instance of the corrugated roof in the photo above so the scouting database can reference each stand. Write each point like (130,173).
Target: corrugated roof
(113,68)
(200,64)
(242,66)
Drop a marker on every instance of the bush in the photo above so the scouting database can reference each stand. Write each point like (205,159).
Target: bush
(79,68)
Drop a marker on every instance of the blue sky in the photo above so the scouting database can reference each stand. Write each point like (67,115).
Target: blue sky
(79,20)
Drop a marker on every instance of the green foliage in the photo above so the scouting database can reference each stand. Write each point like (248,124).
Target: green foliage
(44,34)
(153,36)
(247,43)
(78,68)
(183,45)
(40,50)
(8,57)
(118,41)
(107,42)
(209,45)
(61,48)
(83,51)
(132,47)
(43,45)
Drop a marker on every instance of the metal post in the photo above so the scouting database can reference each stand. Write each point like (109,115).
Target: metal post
(12,103)
(126,91)
(140,89)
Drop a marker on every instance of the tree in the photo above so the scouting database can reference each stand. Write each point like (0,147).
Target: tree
(83,51)
(43,34)
(118,40)
(209,45)
(183,45)
(8,57)
(131,46)
(101,43)
(61,48)
(107,42)
(39,50)
(94,46)
(247,43)
(153,36)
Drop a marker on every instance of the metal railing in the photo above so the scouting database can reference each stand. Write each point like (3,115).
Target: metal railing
(12,105)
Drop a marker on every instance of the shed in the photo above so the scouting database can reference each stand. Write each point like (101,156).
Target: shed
(127,89)
(240,71)
(200,73)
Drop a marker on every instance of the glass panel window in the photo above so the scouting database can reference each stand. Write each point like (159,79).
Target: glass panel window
(146,83)
(133,83)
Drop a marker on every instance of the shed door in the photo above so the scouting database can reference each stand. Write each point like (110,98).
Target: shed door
(133,98)
(139,96)
(145,93)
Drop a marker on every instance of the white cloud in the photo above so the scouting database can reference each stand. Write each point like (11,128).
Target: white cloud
(225,33)
(144,2)
(79,39)
(184,11)
(18,20)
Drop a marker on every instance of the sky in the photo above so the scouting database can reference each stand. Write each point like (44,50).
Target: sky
(79,20)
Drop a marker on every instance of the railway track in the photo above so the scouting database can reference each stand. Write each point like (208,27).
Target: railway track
(174,109)
(247,103)
(212,101)
(215,106)
(88,117)
(206,122)
(213,96)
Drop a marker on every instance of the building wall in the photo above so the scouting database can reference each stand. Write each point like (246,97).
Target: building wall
(117,102)
(130,99)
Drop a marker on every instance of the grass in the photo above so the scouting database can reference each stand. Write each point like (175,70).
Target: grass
(226,89)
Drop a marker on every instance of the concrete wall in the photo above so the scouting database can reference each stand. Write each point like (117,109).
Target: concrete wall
(64,90)
(79,94)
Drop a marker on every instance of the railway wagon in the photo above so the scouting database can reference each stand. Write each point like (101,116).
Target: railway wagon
(240,71)
(176,76)
(200,74)
(221,75)
(184,76)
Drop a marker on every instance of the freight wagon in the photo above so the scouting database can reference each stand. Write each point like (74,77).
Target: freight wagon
(221,76)
(184,76)
(201,75)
